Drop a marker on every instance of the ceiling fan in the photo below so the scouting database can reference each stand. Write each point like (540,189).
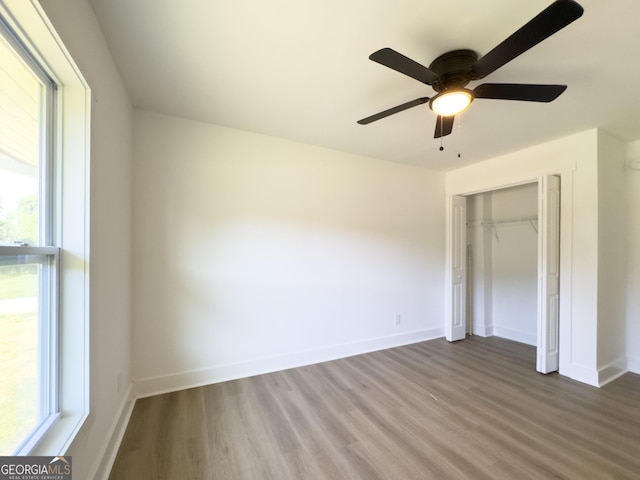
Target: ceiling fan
(451,72)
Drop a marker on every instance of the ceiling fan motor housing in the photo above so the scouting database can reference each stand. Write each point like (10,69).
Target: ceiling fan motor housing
(455,69)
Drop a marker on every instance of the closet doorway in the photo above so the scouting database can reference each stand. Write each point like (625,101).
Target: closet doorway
(503,266)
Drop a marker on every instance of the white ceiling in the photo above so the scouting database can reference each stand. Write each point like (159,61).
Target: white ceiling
(299,69)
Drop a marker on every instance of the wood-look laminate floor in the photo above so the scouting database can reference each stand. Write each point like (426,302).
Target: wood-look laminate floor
(434,410)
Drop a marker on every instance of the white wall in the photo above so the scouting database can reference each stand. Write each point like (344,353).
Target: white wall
(612,255)
(504,276)
(632,177)
(110,191)
(253,253)
(515,264)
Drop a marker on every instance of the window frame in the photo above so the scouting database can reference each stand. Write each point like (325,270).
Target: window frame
(45,252)
(70,151)
(48,320)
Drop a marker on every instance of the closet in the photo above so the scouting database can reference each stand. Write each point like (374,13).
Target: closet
(502,263)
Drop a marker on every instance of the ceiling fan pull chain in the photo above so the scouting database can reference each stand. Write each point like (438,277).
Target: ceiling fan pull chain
(441,129)
(460,132)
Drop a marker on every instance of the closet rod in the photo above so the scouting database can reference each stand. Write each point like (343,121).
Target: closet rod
(529,219)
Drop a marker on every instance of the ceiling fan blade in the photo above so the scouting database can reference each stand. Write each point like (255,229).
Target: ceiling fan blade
(444,126)
(519,91)
(552,19)
(398,62)
(391,111)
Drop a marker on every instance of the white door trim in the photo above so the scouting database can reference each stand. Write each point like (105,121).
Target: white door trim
(566,257)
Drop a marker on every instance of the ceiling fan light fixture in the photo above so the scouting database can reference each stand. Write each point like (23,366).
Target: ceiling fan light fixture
(451,102)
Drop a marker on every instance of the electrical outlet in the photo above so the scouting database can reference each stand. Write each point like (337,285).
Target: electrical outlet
(398,319)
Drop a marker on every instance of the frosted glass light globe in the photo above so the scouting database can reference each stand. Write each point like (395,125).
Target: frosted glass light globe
(451,102)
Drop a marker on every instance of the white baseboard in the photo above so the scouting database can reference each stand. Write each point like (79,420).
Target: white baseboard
(601,376)
(483,330)
(515,335)
(610,372)
(146,387)
(107,455)
(633,364)
(585,375)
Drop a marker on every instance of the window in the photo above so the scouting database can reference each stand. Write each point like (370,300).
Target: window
(45,111)
(28,255)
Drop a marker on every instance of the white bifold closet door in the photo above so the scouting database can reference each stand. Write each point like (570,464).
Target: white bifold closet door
(455,326)
(548,273)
